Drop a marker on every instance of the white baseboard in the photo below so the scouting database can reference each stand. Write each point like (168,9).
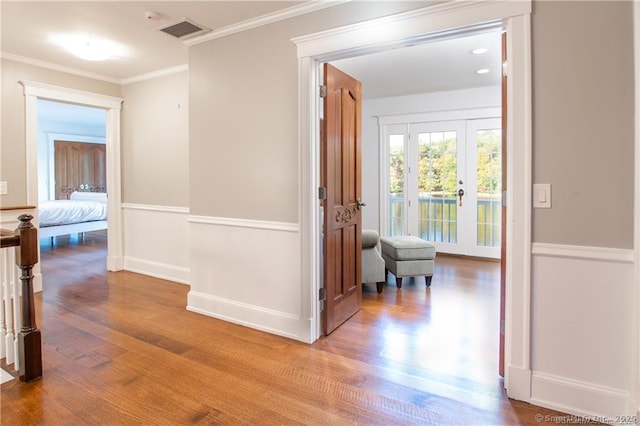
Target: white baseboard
(37,283)
(518,383)
(158,270)
(115,263)
(579,398)
(257,317)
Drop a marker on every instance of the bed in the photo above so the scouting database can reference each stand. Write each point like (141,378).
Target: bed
(82,212)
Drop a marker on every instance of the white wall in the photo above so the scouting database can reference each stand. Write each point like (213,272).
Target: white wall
(427,102)
(155,147)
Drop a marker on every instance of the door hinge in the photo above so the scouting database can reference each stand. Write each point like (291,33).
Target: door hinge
(322,293)
(502,327)
(322,193)
(323,91)
(504,198)
(504,69)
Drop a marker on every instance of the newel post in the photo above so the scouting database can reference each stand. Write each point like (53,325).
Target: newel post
(29,339)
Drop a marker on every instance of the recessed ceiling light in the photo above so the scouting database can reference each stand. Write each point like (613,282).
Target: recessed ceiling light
(482,71)
(479,51)
(88,47)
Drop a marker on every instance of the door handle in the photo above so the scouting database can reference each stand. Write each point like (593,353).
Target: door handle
(460,195)
(360,203)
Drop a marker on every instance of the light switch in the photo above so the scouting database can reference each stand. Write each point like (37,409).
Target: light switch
(542,195)
(3,188)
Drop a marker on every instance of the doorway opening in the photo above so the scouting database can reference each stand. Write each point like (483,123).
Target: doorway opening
(34,92)
(72,187)
(418,26)
(419,150)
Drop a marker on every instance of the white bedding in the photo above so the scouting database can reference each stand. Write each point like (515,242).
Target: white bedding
(62,212)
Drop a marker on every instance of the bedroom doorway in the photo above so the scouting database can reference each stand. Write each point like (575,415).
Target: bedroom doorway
(71,172)
(109,107)
(407,29)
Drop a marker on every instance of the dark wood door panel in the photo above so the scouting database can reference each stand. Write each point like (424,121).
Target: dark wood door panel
(79,166)
(340,174)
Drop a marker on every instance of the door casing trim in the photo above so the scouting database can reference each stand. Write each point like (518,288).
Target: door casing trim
(421,25)
(112,105)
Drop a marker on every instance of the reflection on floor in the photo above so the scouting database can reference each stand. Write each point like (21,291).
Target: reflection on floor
(120,348)
(4,376)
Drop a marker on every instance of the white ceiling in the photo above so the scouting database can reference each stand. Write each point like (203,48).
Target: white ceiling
(27,26)
(434,66)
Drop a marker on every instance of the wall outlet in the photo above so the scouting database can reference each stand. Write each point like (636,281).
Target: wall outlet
(3,188)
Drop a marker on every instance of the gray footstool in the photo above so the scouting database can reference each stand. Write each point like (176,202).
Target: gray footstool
(408,256)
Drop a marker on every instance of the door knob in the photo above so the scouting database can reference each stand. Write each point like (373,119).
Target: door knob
(460,195)
(359,203)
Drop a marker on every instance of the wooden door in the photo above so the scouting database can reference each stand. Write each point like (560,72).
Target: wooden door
(340,175)
(79,166)
(503,221)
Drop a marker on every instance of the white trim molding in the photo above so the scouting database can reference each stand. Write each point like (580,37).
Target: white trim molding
(245,223)
(583,252)
(155,74)
(431,23)
(269,18)
(55,67)
(34,91)
(580,398)
(155,208)
(248,315)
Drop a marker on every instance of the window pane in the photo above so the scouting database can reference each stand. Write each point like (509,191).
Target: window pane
(489,181)
(437,183)
(396,184)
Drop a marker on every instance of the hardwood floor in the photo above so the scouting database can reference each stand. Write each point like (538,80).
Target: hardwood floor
(120,348)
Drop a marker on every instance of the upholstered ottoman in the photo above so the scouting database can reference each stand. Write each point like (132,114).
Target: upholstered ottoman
(408,256)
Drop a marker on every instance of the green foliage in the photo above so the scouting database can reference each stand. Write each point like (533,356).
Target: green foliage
(396,170)
(489,162)
(437,164)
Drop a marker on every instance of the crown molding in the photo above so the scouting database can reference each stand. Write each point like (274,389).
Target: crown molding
(263,20)
(56,67)
(124,81)
(259,21)
(155,74)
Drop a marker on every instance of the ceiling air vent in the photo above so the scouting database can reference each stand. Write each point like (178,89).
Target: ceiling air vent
(184,29)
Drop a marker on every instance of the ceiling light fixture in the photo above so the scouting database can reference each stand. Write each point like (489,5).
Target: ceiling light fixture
(482,71)
(88,47)
(479,51)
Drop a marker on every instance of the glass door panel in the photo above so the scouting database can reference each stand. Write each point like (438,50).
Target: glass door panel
(397,184)
(428,165)
(437,186)
(438,161)
(485,145)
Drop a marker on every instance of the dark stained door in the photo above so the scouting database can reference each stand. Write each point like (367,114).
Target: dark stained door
(340,175)
(79,166)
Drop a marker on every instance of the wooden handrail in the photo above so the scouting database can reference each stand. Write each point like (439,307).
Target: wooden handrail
(8,238)
(9,208)
(25,240)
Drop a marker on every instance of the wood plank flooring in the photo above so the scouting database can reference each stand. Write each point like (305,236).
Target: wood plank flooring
(120,349)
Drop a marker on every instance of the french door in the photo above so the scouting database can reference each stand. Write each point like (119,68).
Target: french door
(444,184)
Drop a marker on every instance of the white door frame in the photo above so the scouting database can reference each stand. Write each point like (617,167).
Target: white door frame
(34,91)
(443,20)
